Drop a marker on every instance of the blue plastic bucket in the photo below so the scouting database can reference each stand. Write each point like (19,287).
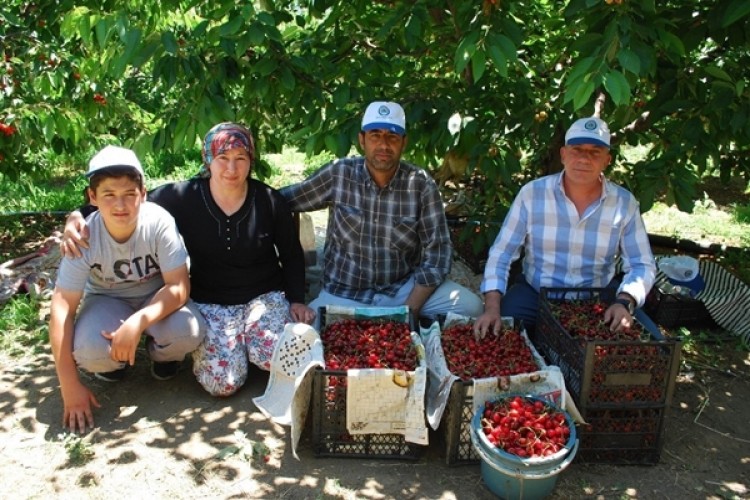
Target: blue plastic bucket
(512,477)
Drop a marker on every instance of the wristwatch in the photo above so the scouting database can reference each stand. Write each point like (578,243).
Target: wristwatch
(627,303)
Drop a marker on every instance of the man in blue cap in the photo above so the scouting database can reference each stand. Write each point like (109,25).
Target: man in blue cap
(571,226)
(387,242)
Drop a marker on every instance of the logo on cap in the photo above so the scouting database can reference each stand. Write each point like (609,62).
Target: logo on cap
(384,111)
(590,125)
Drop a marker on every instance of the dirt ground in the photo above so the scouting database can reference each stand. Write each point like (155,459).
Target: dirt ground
(171,440)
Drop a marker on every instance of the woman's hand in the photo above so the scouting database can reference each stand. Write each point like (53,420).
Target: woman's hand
(75,236)
(301,313)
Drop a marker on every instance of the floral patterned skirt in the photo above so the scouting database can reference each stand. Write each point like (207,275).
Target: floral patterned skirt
(238,335)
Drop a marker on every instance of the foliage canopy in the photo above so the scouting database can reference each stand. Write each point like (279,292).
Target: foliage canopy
(507,75)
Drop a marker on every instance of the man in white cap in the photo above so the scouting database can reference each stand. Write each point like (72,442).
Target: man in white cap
(131,281)
(571,227)
(387,241)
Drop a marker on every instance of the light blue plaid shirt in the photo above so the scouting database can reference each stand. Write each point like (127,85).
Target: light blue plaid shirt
(376,238)
(562,249)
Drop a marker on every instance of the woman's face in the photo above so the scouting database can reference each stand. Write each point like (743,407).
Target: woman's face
(231,168)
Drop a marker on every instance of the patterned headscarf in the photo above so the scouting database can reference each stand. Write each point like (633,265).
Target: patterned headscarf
(223,137)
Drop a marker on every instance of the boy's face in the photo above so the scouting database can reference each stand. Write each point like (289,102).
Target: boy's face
(119,200)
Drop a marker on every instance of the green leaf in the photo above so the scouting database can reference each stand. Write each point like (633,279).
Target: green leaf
(225,111)
(717,72)
(414,27)
(170,42)
(180,128)
(266,66)
(132,42)
(736,11)
(583,94)
(507,46)
(465,51)
(629,61)
(101,29)
(618,87)
(228,451)
(498,59)
(332,143)
(478,64)
(648,5)
(341,96)
(287,78)
(580,69)
(672,42)
(255,35)
(232,26)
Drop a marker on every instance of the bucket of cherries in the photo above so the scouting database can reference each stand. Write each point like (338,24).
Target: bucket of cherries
(524,443)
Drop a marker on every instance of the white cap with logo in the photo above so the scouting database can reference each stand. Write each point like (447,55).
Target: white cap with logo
(591,130)
(114,156)
(381,115)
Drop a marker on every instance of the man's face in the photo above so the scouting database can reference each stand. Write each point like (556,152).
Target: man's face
(119,200)
(584,163)
(382,149)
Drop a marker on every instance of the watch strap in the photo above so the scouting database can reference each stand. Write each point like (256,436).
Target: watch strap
(625,302)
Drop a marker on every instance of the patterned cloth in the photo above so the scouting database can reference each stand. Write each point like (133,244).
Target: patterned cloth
(377,238)
(223,137)
(238,335)
(726,297)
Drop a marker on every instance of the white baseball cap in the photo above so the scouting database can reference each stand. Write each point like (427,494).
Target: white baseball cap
(114,156)
(591,130)
(385,116)
(683,270)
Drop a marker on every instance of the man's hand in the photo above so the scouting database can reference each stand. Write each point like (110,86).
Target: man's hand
(487,322)
(75,236)
(124,343)
(617,318)
(77,414)
(301,313)
(490,320)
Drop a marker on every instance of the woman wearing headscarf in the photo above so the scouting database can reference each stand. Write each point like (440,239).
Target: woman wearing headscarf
(246,263)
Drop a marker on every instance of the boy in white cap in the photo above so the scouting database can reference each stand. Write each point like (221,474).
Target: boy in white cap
(571,227)
(132,279)
(387,242)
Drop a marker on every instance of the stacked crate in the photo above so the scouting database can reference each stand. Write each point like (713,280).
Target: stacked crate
(672,310)
(623,388)
(330,436)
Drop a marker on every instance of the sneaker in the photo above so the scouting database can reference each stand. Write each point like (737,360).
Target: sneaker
(165,370)
(113,376)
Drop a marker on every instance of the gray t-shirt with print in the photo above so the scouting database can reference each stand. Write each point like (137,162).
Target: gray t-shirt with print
(131,269)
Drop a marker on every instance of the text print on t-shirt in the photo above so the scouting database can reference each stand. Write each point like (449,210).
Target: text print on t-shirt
(127,270)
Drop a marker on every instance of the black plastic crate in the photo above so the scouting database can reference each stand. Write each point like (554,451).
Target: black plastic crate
(606,372)
(625,436)
(673,311)
(330,437)
(455,425)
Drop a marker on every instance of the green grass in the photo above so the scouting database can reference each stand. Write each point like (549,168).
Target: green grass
(47,195)
(706,223)
(22,330)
